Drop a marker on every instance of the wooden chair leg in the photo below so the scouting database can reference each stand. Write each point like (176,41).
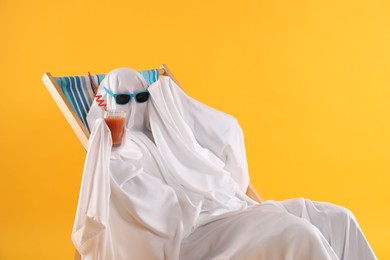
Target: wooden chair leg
(252,193)
(77,256)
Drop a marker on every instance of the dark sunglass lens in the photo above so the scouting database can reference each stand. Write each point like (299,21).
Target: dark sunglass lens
(122,99)
(142,97)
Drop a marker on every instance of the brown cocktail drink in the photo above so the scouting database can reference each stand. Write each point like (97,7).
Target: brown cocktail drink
(115,120)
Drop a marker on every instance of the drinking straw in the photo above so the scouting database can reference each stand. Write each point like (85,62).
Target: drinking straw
(99,98)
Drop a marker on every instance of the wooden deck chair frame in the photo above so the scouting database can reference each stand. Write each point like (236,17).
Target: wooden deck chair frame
(82,132)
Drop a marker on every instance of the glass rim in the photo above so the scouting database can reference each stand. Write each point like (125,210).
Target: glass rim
(113,113)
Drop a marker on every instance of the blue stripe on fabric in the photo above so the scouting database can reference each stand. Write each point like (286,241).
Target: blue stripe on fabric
(87,95)
(65,86)
(74,97)
(147,76)
(144,76)
(80,97)
(86,90)
(90,95)
(100,78)
(73,89)
(58,80)
(150,76)
(155,75)
(81,93)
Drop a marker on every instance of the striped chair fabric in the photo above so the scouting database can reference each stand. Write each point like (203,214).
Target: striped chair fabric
(80,93)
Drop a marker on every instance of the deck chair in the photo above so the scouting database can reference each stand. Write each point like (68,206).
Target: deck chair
(74,97)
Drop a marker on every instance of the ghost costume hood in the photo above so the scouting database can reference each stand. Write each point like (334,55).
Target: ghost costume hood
(123,81)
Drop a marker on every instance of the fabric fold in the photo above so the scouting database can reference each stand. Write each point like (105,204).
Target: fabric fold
(92,212)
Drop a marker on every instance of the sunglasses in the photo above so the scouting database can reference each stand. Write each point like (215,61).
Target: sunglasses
(123,99)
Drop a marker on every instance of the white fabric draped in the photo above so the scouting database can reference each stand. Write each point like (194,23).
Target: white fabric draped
(175,189)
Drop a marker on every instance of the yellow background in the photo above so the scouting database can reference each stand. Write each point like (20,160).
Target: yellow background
(308,81)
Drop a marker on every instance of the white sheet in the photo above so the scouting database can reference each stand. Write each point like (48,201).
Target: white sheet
(176,189)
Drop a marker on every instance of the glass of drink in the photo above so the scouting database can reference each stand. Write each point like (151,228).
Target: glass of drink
(115,120)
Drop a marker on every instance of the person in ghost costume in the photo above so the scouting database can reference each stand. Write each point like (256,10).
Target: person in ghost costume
(175,189)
